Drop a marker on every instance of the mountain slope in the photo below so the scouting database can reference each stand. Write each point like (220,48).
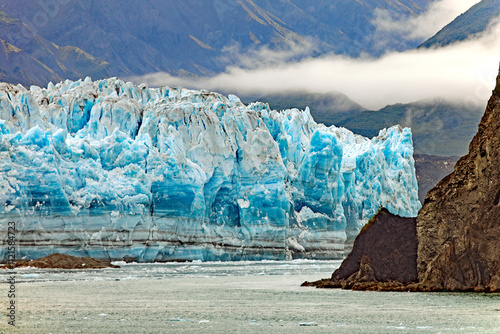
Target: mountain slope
(439,127)
(28,58)
(203,37)
(473,21)
(18,66)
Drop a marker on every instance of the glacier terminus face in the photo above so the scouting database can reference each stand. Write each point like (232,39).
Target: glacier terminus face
(112,170)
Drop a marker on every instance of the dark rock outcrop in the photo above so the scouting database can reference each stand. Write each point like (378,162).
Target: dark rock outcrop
(458,229)
(384,256)
(63,261)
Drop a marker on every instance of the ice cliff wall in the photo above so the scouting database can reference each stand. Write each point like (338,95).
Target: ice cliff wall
(112,170)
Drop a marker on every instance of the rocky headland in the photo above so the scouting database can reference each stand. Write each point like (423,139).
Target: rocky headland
(457,230)
(384,256)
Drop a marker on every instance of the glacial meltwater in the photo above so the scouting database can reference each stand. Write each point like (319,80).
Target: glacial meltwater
(230,297)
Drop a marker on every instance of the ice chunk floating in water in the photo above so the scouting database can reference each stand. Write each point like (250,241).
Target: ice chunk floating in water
(113,170)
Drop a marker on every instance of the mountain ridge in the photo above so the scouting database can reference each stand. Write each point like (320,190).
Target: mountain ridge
(472,22)
(199,38)
(28,58)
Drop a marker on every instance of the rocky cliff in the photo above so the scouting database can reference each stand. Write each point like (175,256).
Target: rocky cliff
(457,229)
(459,224)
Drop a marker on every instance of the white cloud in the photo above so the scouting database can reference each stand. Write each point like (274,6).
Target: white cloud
(464,72)
(264,56)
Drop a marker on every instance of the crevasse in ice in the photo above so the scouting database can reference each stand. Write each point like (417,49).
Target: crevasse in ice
(112,170)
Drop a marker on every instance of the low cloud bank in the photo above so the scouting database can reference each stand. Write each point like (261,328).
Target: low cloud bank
(462,72)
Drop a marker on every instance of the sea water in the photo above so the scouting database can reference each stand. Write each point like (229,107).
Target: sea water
(230,297)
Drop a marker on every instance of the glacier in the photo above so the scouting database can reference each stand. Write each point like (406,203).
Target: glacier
(113,170)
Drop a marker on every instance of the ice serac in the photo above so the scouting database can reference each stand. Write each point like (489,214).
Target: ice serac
(112,170)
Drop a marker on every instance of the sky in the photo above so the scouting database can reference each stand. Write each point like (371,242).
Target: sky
(462,72)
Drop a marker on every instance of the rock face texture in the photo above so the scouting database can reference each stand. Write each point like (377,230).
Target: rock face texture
(384,256)
(459,224)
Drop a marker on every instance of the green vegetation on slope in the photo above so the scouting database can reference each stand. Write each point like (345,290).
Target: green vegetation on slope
(439,127)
